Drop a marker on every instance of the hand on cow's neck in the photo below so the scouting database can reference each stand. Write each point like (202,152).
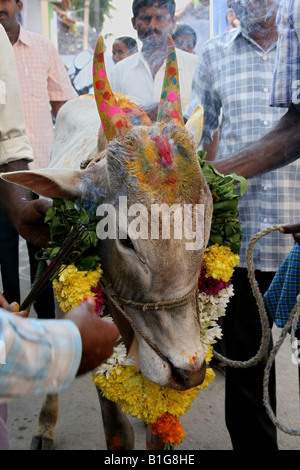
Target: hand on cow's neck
(155,56)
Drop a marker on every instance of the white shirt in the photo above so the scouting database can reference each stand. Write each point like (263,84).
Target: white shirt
(132,76)
(14,143)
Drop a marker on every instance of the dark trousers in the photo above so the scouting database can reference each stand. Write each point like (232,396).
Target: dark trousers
(247,421)
(9,258)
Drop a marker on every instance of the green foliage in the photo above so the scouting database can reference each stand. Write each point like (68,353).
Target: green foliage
(63,217)
(225,229)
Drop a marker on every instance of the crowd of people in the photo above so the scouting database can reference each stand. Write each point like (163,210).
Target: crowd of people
(245,81)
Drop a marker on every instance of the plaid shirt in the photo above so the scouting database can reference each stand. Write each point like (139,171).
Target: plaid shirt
(234,77)
(37,356)
(281,296)
(286,81)
(43,78)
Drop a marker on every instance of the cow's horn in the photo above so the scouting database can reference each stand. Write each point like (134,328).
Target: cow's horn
(170,102)
(114,121)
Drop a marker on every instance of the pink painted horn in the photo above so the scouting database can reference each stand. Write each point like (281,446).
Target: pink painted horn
(170,102)
(114,121)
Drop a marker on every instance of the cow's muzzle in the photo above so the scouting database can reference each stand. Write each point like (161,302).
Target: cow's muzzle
(185,379)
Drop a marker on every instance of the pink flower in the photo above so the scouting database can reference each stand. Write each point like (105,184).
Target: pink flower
(99,298)
(209,285)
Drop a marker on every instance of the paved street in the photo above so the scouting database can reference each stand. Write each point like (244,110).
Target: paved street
(80,426)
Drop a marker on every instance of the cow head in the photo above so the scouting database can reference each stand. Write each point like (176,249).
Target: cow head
(146,167)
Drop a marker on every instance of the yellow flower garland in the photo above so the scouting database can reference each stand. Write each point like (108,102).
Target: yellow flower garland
(219,262)
(146,400)
(72,286)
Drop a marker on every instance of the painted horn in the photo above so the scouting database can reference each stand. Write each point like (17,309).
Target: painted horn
(114,122)
(170,101)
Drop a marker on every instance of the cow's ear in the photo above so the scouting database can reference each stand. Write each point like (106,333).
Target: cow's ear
(195,124)
(48,183)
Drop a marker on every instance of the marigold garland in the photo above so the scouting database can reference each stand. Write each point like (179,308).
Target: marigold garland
(139,397)
(169,429)
(72,286)
(219,262)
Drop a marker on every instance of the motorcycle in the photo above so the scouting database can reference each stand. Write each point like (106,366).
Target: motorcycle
(80,61)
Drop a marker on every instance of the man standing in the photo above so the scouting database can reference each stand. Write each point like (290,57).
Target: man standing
(141,75)
(45,87)
(234,74)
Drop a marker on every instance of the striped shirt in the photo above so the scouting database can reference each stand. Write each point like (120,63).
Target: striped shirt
(286,81)
(234,75)
(37,356)
(43,78)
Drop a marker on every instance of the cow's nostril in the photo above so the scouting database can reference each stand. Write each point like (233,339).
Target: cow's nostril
(189,378)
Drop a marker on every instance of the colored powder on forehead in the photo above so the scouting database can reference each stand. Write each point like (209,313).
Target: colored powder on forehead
(166,167)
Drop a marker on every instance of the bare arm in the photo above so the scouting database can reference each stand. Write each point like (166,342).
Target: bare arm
(26,215)
(56,105)
(277,148)
(212,147)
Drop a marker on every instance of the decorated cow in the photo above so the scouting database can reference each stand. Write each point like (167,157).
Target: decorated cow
(150,281)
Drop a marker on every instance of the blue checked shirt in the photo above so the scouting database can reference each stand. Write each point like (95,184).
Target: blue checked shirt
(37,356)
(281,296)
(232,82)
(286,81)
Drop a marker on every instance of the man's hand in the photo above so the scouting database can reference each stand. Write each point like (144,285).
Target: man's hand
(98,335)
(27,215)
(294,229)
(13,307)
(30,221)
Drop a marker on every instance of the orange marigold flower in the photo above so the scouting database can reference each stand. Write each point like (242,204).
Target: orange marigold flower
(169,429)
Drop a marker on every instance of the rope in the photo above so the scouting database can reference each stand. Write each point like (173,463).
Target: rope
(266,331)
(165,305)
(291,326)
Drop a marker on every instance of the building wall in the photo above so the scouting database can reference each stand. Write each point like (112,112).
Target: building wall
(38,16)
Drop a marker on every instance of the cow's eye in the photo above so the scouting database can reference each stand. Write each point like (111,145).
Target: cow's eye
(127,242)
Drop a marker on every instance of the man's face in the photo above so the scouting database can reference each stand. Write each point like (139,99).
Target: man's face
(153,24)
(9,11)
(254,12)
